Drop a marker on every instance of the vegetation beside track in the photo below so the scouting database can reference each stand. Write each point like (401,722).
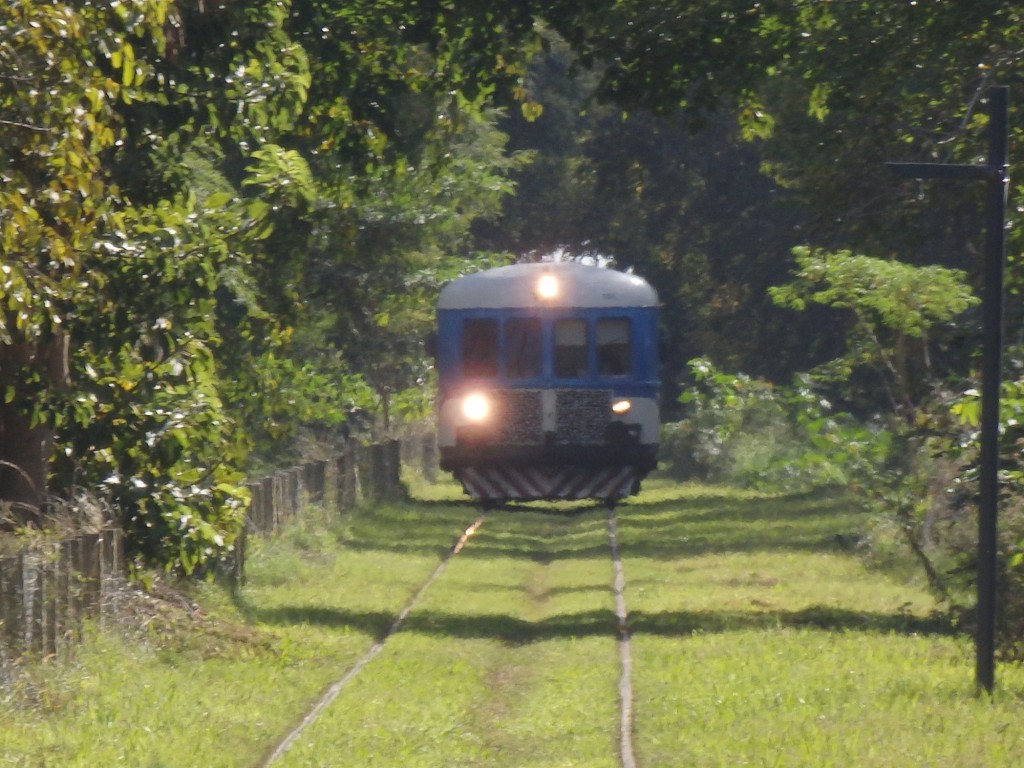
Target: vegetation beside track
(761,636)
(213,679)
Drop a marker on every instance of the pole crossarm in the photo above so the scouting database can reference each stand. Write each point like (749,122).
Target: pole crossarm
(949,171)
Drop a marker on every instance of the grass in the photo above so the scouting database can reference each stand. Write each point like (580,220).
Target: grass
(218,683)
(760,637)
(772,644)
(507,661)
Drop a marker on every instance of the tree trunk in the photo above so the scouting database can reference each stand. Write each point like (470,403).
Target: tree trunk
(25,449)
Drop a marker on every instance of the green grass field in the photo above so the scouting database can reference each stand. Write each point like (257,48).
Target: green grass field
(760,637)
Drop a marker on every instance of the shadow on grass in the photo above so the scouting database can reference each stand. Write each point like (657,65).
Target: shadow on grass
(529,532)
(603,623)
(679,523)
(827,618)
(674,524)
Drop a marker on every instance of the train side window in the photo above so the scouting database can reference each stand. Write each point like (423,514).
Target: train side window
(614,347)
(570,353)
(522,347)
(480,348)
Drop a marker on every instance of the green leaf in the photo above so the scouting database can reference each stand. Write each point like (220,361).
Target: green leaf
(531,111)
(219,200)
(128,66)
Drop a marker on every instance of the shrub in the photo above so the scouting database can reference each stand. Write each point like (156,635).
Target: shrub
(751,433)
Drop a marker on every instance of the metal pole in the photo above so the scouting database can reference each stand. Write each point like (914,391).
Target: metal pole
(995,174)
(991,376)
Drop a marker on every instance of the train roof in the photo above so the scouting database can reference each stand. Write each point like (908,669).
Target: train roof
(515,286)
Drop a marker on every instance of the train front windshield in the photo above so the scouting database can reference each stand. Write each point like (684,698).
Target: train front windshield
(614,340)
(523,346)
(480,348)
(526,348)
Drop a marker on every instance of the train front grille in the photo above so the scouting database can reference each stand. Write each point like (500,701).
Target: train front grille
(581,416)
(522,417)
(578,416)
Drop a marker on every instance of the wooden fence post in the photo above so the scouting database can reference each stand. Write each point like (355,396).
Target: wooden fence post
(33,596)
(252,513)
(429,457)
(89,548)
(238,561)
(376,473)
(12,606)
(73,557)
(295,490)
(341,482)
(300,493)
(111,562)
(359,458)
(51,597)
(315,472)
(279,500)
(393,469)
(267,511)
(64,600)
(350,479)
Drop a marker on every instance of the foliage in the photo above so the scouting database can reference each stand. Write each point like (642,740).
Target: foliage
(129,286)
(754,434)
(178,179)
(690,211)
(375,264)
(926,483)
(829,92)
(962,445)
(227,221)
(145,421)
(59,118)
(896,310)
(824,94)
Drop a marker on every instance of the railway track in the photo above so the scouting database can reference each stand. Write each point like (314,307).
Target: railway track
(620,632)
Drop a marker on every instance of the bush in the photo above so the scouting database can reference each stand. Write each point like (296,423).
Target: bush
(750,433)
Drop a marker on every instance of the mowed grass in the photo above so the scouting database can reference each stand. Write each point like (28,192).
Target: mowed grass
(218,684)
(510,659)
(760,637)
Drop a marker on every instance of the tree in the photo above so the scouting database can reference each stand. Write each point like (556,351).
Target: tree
(108,257)
(166,172)
(211,210)
(689,209)
(897,314)
(57,106)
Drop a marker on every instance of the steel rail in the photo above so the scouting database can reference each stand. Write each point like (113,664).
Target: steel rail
(626,756)
(337,687)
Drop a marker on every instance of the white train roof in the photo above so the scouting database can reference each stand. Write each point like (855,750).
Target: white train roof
(515,286)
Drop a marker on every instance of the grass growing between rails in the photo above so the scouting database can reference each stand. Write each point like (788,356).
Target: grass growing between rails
(760,637)
(509,660)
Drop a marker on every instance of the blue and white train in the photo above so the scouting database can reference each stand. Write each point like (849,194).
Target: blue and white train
(548,382)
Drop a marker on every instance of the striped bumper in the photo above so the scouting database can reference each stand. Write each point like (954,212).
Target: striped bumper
(500,483)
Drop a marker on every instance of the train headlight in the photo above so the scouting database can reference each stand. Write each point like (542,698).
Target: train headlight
(621,407)
(476,407)
(547,287)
